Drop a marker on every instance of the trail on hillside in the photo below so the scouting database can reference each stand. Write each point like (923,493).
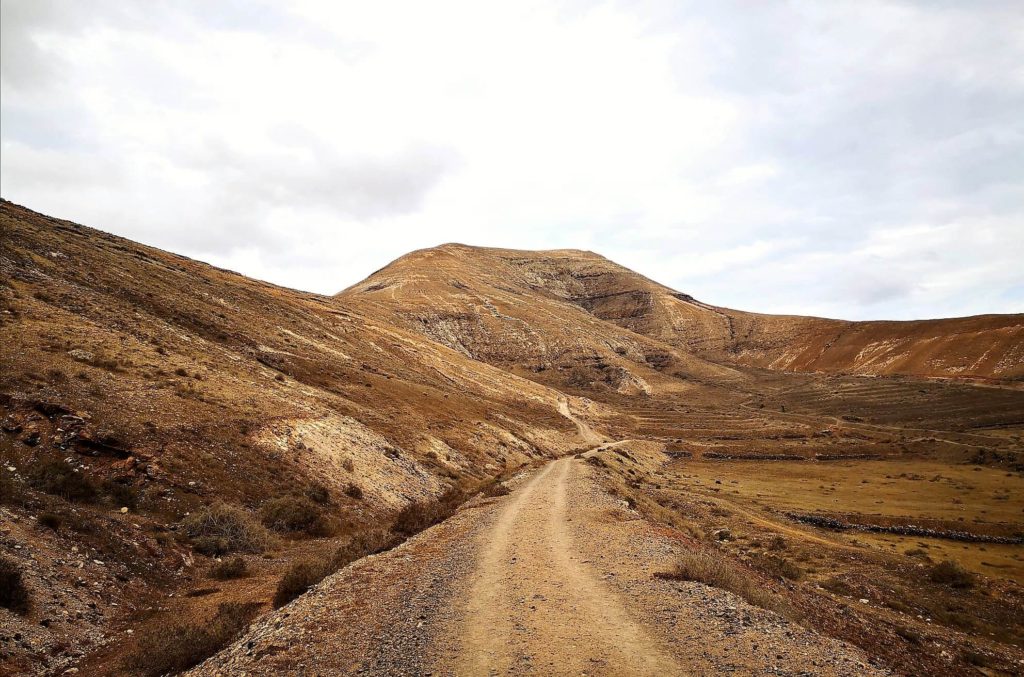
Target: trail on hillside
(534,602)
(585,431)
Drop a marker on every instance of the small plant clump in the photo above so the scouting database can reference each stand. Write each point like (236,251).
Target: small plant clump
(222,528)
(229,569)
(710,569)
(952,574)
(61,479)
(294,514)
(421,515)
(170,650)
(13,592)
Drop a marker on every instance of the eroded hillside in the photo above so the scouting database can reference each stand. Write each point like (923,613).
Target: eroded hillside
(988,347)
(185,449)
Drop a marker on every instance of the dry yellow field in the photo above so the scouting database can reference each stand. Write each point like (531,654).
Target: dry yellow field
(969,498)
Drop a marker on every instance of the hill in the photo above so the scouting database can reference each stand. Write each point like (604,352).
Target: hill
(184,449)
(470,278)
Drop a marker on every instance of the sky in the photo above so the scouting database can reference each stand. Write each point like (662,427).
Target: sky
(860,159)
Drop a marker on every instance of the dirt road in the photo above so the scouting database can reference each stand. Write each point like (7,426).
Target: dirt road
(534,602)
(554,579)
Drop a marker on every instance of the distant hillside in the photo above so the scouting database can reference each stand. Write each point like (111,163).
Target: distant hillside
(535,288)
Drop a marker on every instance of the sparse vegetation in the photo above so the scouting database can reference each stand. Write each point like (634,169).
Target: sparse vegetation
(294,514)
(300,577)
(496,489)
(61,479)
(228,569)
(222,528)
(779,567)
(13,592)
(318,493)
(168,650)
(421,515)
(715,570)
(50,520)
(951,574)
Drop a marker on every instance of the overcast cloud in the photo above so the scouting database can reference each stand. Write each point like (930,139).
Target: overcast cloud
(850,159)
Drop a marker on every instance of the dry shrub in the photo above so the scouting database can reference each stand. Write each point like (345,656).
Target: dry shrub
(952,574)
(714,570)
(13,593)
(318,493)
(229,569)
(354,491)
(170,650)
(421,515)
(779,567)
(300,577)
(50,520)
(496,489)
(294,514)
(222,528)
(60,479)
(303,575)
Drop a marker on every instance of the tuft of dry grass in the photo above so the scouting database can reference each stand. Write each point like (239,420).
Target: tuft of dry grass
(711,569)
(222,528)
(170,650)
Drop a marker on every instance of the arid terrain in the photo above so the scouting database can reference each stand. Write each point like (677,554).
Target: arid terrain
(484,461)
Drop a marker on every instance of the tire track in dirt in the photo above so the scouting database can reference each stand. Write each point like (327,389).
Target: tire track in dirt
(535,606)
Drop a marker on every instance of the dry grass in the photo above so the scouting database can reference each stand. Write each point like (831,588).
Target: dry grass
(303,575)
(715,570)
(222,528)
(169,650)
(300,577)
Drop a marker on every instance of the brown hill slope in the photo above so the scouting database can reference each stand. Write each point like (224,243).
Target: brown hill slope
(488,305)
(136,378)
(989,346)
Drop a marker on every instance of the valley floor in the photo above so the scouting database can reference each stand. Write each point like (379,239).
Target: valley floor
(556,578)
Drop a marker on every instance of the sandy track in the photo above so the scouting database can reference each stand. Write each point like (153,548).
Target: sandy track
(535,605)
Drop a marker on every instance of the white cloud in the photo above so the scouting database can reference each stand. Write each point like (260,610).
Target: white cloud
(837,158)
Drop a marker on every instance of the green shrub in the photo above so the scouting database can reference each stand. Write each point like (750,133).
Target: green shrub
(13,593)
(222,528)
(166,650)
(229,569)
